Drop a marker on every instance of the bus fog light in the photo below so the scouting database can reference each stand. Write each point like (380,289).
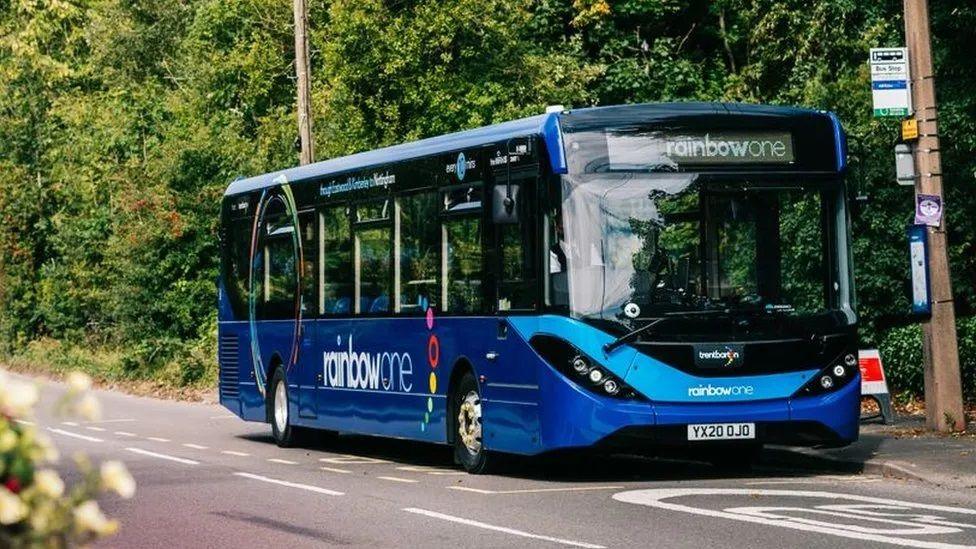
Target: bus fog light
(826,382)
(850,359)
(580,365)
(839,371)
(611,387)
(596,376)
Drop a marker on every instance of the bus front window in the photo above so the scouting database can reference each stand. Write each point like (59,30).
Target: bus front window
(643,245)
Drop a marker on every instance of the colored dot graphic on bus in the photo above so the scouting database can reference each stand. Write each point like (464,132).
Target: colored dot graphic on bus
(433,358)
(433,351)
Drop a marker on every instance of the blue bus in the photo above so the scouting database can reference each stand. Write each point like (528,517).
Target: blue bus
(638,277)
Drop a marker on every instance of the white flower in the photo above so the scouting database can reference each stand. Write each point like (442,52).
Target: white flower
(78,382)
(49,483)
(47,450)
(8,439)
(89,517)
(89,408)
(12,509)
(116,477)
(19,398)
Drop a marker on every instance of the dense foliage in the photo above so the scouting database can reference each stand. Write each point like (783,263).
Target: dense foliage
(122,121)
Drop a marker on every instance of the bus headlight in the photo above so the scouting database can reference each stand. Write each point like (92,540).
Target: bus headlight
(831,378)
(580,369)
(826,382)
(596,376)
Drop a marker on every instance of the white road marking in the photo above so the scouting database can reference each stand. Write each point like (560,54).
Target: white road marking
(70,423)
(347,459)
(813,481)
(535,490)
(125,434)
(98,429)
(912,521)
(24,422)
(506,530)
(398,479)
(234,453)
(74,435)
(282,461)
(335,470)
(158,439)
(430,470)
(163,456)
(194,446)
(111,421)
(308,487)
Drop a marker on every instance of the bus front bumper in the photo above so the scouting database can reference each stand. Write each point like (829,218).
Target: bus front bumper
(827,420)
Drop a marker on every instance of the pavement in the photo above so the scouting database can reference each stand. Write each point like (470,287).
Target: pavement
(207,479)
(903,450)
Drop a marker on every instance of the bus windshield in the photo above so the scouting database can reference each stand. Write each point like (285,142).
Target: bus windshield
(635,245)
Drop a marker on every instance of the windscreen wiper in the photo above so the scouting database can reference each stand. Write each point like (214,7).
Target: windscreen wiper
(629,336)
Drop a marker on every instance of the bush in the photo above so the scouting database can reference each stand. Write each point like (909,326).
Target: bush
(901,351)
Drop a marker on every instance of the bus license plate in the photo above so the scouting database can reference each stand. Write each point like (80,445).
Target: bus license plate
(722,431)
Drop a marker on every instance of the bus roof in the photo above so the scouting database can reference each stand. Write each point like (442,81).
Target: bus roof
(546,125)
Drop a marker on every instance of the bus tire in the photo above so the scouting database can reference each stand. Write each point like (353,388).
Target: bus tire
(285,434)
(469,451)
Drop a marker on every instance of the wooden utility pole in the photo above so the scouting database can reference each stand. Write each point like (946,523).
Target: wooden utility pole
(304,85)
(943,388)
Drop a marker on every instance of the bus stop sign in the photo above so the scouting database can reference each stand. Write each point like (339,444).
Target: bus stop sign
(890,89)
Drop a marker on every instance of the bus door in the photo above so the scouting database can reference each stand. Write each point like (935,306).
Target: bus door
(513,265)
(309,363)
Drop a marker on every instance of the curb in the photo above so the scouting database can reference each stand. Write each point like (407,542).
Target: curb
(810,460)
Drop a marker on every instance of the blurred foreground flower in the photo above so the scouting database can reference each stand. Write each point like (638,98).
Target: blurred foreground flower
(37,509)
(116,477)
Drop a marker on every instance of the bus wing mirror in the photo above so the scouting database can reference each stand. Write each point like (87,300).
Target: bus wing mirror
(504,206)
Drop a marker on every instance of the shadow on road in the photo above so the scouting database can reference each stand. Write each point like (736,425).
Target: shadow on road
(580,466)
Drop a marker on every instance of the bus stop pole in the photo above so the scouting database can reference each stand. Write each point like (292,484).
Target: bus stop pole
(943,387)
(302,73)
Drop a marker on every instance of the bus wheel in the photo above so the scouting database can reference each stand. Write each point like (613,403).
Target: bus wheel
(285,434)
(468,448)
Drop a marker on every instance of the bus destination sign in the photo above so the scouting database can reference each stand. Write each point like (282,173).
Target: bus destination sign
(640,150)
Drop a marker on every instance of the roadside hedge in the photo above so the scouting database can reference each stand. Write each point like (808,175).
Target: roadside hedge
(901,353)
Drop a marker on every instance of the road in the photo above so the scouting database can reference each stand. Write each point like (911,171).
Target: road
(207,479)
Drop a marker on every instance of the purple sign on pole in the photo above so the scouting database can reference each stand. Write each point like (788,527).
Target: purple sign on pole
(928,209)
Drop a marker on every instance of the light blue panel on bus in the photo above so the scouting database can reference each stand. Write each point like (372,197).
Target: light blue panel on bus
(662,383)
(656,380)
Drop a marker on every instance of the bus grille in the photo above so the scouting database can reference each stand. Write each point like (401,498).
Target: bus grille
(228,357)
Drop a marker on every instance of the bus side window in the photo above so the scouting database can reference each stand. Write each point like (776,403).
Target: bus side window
(335,262)
(280,264)
(461,250)
(419,253)
(516,246)
(373,258)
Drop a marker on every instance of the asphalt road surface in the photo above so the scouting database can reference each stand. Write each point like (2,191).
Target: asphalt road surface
(207,479)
